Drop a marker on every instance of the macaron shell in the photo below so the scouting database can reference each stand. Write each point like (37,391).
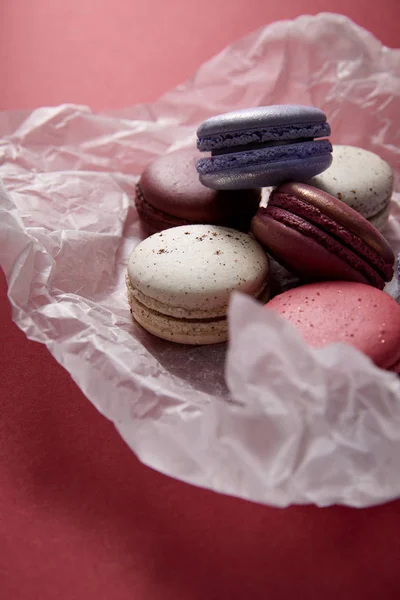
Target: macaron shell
(261,116)
(329,242)
(189,331)
(174,330)
(266,174)
(154,220)
(300,253)
(190,271)
(340,311)
(333,217)
(359,178)
(169,189)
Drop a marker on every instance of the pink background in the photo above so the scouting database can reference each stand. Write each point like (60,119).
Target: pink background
(80,517)
(112,54)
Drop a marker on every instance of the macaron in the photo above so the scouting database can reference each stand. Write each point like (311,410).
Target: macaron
(263,146)
(361,179)
(342,311)
(180,280)
(319,237)
(169,194)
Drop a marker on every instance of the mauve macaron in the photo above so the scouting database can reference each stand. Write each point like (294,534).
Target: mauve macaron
(180,281)
(319,237)
(169,194)
(361,179)
(342,311)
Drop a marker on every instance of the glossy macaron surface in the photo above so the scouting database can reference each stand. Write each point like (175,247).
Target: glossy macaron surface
(354,313)
(319,237)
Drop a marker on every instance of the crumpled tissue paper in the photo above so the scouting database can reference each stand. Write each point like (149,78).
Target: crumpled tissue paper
(269,419)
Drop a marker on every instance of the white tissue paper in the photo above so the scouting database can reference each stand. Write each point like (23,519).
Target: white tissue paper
(271,420)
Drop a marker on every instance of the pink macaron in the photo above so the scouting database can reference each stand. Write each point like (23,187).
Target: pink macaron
(343,311)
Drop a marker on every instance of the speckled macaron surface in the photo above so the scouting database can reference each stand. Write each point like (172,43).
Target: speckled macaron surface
(361,179)
(180,280)
(340,311)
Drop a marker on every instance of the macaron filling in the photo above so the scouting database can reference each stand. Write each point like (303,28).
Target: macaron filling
(261,135)
(180,319)
(179,313)
(185,326)
(257,146)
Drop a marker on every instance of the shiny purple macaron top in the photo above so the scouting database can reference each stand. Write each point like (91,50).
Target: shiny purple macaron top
(263,124)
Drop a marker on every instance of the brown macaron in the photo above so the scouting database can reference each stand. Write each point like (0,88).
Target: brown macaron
(319,237)
(169,194)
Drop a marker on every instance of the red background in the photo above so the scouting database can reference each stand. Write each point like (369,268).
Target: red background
(80,517)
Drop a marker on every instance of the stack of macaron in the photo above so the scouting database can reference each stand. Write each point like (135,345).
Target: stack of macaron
(209,236)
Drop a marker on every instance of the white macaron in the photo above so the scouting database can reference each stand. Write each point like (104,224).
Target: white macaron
(361,179)
(180,280)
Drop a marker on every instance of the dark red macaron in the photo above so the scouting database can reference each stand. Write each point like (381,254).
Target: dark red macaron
(345,311)
(170,194)
(319,237)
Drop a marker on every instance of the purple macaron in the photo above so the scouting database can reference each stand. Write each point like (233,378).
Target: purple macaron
(263,146)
